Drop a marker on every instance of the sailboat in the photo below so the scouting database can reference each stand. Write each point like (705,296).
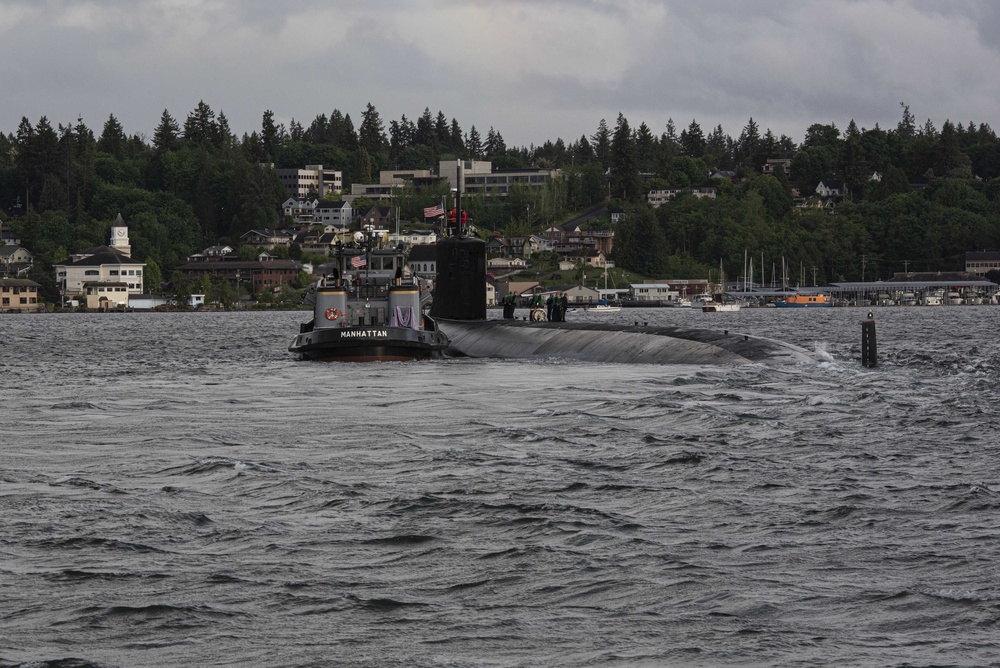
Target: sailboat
(603,306)
(721,301)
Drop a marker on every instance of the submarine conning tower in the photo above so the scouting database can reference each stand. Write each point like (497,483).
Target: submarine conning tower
(460,286)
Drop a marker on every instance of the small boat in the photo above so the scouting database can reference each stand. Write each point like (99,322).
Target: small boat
(803,301)
(720,304)
(720,307)
(602,307)
(700,300)
(368,309)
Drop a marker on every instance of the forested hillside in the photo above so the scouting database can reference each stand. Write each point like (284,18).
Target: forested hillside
(196,183)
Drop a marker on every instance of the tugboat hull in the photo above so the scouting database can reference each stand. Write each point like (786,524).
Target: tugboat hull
(369,344)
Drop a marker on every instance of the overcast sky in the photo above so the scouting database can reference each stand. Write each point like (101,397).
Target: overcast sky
(535,70)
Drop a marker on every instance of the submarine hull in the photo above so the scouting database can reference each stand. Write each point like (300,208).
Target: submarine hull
(600,342)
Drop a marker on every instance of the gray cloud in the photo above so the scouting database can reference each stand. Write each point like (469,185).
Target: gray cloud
(533,69)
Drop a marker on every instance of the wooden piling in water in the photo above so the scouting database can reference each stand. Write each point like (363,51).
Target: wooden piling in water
(869,345)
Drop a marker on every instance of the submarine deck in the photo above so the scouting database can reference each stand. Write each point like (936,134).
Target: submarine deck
(606,342)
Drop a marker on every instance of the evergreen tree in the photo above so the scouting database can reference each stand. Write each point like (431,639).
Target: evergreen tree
(495,146)
(371,135)
(949,158)
(112,139)
(424,135)
(853,166)
(718,149)
(318,131)
(363,167)
(581,152)
(456,140)
(223,133)
(645,148)
(748,148)
(270,136)
(200,125)
(442,132)
(624,170)
(295,131)
(473,144)
(693,140)
(601,144)
(166,134)
(907,126)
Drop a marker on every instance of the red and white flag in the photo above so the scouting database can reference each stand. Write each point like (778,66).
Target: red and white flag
(358,261)
(433,211)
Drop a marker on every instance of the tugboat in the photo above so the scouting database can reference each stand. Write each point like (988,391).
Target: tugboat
(369,309)
(799,300)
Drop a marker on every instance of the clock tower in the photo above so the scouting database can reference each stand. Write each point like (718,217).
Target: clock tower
(119,237)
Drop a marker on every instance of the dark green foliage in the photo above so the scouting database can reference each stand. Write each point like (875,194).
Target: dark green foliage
(195,185)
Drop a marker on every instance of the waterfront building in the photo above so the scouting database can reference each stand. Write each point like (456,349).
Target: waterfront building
(102,277)
(19,295)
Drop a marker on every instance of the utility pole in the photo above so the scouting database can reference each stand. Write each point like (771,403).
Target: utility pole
(814,275)
(864,261)
(906,266)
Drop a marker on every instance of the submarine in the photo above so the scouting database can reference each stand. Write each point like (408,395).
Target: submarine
(459,310)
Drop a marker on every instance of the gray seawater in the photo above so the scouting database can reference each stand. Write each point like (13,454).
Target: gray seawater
(178,490)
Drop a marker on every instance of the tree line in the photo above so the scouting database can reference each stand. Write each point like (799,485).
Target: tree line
(196,183)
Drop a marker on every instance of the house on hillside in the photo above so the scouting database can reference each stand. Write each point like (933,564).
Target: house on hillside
(775,165)
(658,198)
(413,238)
(339,214)
(497,247)
(300,210)
(15,260)
(422,260)
(266,239)
(831,188)
(505,264)
(379,217)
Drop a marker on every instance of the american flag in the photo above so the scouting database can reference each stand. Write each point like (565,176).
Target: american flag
(358,261)
(433,211)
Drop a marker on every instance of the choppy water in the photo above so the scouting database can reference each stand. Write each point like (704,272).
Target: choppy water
(177,490)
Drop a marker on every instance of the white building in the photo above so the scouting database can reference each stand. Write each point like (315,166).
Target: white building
(652,292)
(657,198)
(104,276)
(313,179)
(478,176)
(413,237)
(300,210)
(337,214)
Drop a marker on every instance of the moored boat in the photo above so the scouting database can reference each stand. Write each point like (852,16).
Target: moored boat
(368,309)
(720,303)
(602,307)
(799,300)
(720,307)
